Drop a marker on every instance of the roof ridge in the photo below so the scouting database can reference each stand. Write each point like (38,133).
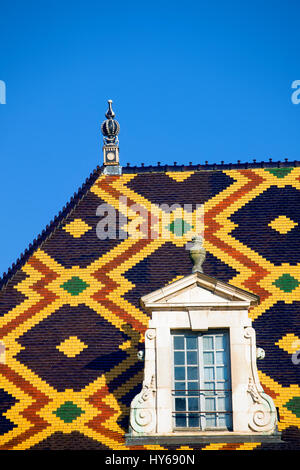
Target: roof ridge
(53,224)
(209,166)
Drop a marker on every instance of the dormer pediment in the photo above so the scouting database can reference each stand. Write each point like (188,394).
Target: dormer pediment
(197,291)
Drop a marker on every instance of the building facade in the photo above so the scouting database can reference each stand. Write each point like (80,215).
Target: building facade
(72,325)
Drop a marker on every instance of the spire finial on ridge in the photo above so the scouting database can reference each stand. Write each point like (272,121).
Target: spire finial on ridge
(110,129)
(109,113)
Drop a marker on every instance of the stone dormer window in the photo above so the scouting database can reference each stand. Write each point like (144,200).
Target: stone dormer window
(200,378)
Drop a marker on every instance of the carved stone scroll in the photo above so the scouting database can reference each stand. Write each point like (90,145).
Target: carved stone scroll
(262,413)
(143,407)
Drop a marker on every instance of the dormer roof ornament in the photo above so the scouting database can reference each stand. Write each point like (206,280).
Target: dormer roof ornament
(197,253)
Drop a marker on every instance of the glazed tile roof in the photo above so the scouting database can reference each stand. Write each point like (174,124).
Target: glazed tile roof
(70,315)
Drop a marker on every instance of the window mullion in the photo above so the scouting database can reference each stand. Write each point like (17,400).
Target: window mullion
(186,381)
(201,383)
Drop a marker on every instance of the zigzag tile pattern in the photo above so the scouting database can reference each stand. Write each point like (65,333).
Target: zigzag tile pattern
(70,317)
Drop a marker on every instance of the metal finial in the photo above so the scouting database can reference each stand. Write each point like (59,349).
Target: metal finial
(109,113)
(110,128)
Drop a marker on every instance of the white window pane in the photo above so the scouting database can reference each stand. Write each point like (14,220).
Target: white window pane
(209,386)
(221,373)
(221,385)
(209,373)
(210,421)
(220,357)
(208,358)
(222,421)
(222,404)
(220,341)
(210,404)
(208,343)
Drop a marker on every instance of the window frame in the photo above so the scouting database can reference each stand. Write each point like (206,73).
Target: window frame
(200,335)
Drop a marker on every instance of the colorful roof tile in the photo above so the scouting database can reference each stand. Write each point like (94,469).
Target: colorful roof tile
(70,316)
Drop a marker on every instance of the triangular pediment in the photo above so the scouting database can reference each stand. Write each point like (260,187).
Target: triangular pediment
(194,294)
(198,289)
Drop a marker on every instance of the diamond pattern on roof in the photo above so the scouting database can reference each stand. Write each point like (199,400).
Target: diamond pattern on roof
(289,343)
(71,346)
(68,411)
(77,228)
(75,285)
(71,320)
(286,283)
(282,224)
(179,227)
(279,172)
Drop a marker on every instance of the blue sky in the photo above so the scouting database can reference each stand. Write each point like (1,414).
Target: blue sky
(190,81)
